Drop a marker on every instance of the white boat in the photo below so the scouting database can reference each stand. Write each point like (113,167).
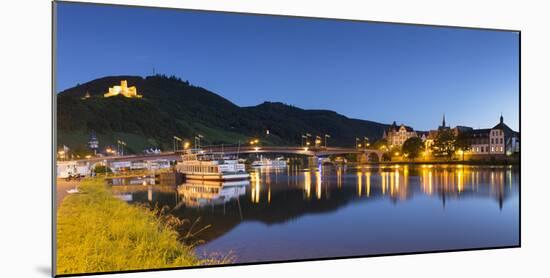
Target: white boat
(265,162)
(73,191)
(197,165)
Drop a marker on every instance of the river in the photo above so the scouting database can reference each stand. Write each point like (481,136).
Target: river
(329,211)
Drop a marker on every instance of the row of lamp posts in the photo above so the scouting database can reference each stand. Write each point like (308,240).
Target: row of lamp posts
(186,144)
(305,140)
(365,144)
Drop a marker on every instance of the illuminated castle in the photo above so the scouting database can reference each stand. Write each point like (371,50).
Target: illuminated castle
(123,89)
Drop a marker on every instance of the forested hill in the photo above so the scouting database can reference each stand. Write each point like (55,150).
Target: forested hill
(171,106)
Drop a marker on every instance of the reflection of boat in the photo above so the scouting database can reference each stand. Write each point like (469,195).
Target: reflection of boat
(201,193)
(128,197)
(132,181)
(200,166)
(265,162)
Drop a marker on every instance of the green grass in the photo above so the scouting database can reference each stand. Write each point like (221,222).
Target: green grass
(97,233)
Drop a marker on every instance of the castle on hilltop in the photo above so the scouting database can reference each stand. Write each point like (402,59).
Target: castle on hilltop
(123,89)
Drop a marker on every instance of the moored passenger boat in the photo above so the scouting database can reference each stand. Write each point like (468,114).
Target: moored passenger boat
(197,165)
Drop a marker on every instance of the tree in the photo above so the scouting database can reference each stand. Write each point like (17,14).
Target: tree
(381,144)
(412,147)
(462,143)
(444,143)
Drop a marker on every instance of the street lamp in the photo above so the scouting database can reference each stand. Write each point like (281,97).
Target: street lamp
(326,139)
(176,138)
(302,140)
(120,147)
(317,141)
(198,140)
(254,142)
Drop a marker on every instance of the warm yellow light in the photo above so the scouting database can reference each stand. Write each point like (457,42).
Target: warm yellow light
(359,145)
(252,142)
(61,152)
(186,145)
(307,143)
(123,89)
(396,153)
(88,156)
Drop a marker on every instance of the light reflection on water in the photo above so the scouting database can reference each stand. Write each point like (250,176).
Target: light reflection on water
(328,211)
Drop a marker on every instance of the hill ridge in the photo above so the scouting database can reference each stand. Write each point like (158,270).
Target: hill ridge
(174,107)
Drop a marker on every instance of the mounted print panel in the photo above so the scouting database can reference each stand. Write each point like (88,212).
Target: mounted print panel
(188,138)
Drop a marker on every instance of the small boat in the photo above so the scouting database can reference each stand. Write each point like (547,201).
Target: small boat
(73,191)
(197,165)
(265,162)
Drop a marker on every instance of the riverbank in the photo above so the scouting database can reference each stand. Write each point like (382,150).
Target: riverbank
(61,187)
(98,233)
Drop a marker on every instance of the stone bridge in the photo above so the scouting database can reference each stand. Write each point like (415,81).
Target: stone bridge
(365,155)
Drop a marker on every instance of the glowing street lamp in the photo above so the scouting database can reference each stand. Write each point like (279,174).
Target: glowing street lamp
(302,140)
(326,139)
(317,141)
(254,142)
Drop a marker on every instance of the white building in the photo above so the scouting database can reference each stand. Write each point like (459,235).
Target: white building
(397,135)
(499,140)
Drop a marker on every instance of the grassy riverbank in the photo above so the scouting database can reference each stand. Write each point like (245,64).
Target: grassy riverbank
(97,233)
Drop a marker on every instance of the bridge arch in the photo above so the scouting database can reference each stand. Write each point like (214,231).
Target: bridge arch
(373,157)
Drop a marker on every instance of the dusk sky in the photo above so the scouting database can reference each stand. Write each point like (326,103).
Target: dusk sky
(373,71)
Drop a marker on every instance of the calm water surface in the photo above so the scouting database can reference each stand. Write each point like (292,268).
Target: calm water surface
(329,211)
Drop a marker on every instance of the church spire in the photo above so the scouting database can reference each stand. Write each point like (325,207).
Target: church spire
(443,124)
(501,118)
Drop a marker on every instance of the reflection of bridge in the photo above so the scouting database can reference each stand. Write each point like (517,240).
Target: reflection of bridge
(365,154)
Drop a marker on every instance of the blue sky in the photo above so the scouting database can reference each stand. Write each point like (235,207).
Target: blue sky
(373,71)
